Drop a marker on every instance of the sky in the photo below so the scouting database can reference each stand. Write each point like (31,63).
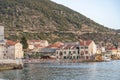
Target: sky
(104,12)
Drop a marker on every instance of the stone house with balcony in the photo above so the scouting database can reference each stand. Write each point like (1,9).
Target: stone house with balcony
(114,53)
(88,50)
(68,52)
(84,50)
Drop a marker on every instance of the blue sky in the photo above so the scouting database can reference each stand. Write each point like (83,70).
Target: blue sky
(105,12)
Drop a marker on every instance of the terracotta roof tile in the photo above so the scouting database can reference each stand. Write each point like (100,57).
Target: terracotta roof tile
(55,45)
(38,45)
(10,42)
(34,40)
(69,47)
(112,49)
(85,43)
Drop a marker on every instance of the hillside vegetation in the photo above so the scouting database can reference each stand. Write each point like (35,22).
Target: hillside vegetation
(44,19)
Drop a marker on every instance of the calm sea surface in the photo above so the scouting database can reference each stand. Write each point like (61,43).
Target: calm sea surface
(69,71)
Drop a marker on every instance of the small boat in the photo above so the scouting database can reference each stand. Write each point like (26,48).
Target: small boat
(106,59)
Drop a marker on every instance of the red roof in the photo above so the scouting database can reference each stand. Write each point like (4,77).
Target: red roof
(38,45)
(10,42)
(34,40)
(112,49)
(70,47)
(85,43)
(56,45)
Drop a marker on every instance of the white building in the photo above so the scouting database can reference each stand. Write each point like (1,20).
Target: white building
(1,33)
(2,49)
(87,49)
(14,50)
(2,42)
(37,44)
(69,51)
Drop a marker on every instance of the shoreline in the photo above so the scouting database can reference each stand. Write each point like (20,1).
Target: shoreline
(33,61)
(11,64)
(10,67)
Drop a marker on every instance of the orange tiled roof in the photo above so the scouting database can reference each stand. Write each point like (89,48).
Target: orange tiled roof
(10,42)
(112,49)
(70,47)
(55,45)
(85,43)
(34,40)
(38,45)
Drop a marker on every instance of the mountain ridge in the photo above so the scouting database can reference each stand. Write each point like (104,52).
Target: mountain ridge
(44,19)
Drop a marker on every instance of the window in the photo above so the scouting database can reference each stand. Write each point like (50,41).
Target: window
(64,52)
(4,54)
(82,47)
(86,47)
(86,52)
(65,57)
(61,53)
(82,53)
(73,57)
(74,52)
(70,57)
(87,57)
(69,52)
(77,57)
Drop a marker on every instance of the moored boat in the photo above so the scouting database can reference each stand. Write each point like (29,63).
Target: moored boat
(106,59)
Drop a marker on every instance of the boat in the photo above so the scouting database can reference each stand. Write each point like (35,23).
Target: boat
(106,59)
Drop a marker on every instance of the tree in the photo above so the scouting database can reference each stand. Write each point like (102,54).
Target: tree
(24,42)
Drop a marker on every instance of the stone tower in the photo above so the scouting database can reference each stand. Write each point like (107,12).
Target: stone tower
(1,33)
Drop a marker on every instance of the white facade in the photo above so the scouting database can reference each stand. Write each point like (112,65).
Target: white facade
(2,42)
(68,51)
(19,51)
(88,49)
(84,51)
(2,50)
(67,54)
(37,44)
(14,51)
(114,52)
(30,46)
(1,33)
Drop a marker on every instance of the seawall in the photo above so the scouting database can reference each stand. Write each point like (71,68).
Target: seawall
(9,64)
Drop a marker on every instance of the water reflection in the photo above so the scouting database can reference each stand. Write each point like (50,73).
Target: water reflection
(69,71)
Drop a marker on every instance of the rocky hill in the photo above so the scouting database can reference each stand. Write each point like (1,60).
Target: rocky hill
(44,19)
